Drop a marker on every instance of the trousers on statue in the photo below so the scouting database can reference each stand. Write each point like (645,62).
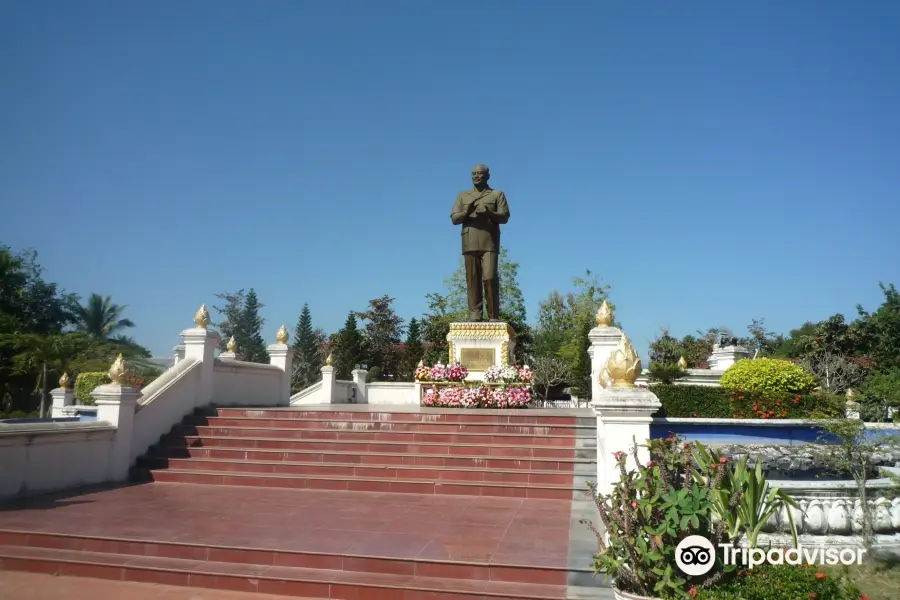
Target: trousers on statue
(482,285)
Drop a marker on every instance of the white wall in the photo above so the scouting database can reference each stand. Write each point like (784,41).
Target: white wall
(165,403)
(392,393)
(41,457)
(238,383)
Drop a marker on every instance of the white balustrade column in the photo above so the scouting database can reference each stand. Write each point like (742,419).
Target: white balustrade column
(200,343)
(62,397)
(624,415)
(359,379)
(328,386)
(178,353)
(604,340)
(282,356)
(115,405)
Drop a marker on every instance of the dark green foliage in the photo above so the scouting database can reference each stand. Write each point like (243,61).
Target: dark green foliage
(783,582)
(435,326)
(348,348)
(881,330)
(308,358)
(693,401)
(241,319)
(100,318)
(413,351)
(665,372)
(251,344)
(382,334)
(581,367)
(85,384)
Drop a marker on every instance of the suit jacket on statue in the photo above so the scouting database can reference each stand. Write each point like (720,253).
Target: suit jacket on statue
(481,232)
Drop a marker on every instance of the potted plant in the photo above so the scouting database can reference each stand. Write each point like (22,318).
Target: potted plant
(652,508)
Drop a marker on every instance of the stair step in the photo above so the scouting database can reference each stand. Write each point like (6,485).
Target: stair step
(360,484)
(522,451)
(384,458)
(544,574)
(414,437)
(299,581)
(542,429)
(520,417)
(356,470)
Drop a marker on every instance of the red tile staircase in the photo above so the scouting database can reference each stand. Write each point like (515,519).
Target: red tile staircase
(323,503)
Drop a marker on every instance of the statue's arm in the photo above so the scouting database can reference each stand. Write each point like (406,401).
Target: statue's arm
(460,212)
(501,215)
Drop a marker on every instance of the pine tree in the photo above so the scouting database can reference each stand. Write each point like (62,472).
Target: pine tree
(413,352)
(249,338)
(349,348)
(307,354)
(230,323)
(383,331)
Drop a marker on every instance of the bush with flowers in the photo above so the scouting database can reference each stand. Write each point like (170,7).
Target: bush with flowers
(783,582)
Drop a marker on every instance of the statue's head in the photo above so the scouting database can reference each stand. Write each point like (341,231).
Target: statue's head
(480,175)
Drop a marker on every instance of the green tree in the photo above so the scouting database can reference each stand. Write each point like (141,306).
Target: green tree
(383,329)
(308,358)
(100,318)
(348,348)
(413,350)
(435,325)
(880,330)
(251,344)
(231,313)
(44,354)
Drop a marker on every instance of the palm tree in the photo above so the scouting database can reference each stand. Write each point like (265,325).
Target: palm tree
(100,318)
(44,354)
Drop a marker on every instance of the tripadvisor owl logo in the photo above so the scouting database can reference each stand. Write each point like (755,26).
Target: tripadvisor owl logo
(695,555)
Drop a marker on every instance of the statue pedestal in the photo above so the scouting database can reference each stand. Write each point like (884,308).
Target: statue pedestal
(724,357)
(480,345)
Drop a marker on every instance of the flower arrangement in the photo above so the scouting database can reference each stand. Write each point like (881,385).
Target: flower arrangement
(458,396)
(441,372)
(509,374)
(422,373)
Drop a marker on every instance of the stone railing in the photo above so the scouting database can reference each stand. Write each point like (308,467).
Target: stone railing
(309,395)
(247,384)
(166,404)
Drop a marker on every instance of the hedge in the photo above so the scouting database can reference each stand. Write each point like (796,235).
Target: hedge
(708,402)
(692,401)
(85,384)
(768,376)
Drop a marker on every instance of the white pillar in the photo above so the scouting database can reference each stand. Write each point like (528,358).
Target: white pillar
(62,397)
(201,343)
(359,379)
(623,418)
(115,405)
(328,384)
(282,356)
(604,340)
(722,358)
(178,352)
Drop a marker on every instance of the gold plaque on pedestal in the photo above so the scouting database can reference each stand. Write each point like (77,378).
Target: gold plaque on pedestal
(477,359)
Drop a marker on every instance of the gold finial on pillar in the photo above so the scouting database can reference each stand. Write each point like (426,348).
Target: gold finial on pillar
(604,315)
(201,319)
(64,381)
(850,395)
(682,363)
(282,336)
(231,346)
(117,370)
(605,378)
(330,360)
(421,363)
(624,364)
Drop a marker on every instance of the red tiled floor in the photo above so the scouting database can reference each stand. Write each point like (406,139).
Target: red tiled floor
(34,586)
(396,525)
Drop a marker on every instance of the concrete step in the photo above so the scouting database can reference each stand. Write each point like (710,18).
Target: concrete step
(524,476)
(359,484)
(263,440)
(311,582)
(406,437)
(573,465)
(435,415)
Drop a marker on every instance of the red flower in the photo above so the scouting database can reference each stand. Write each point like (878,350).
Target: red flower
(863,597)
(693,591)
(821,576)
(812,595)
(650,464)
(723,460)
(796,400)
(778,403)
(740,397)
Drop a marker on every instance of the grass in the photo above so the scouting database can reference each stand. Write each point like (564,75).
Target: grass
(877,580)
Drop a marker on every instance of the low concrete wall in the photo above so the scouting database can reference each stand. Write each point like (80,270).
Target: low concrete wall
(392,393)
(41,457)
(238,383)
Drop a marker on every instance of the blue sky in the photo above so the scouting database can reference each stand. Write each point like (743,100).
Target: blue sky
(713,162)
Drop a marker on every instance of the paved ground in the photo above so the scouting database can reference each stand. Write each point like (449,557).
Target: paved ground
(32,586)
(461,528)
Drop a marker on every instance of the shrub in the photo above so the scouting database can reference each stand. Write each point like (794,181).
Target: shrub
(782,582)
(769,376)
(648,512)
(693,401)
(755,405)
(85,384)
(665,372)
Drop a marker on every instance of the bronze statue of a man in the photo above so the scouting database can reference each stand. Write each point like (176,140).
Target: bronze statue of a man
(481,211)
